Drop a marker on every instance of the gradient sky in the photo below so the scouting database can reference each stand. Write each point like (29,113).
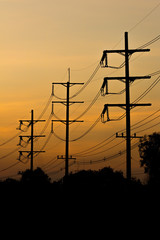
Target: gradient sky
(40,40)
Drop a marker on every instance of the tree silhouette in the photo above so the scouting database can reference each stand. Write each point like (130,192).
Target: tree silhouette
(149,149)
(37,177)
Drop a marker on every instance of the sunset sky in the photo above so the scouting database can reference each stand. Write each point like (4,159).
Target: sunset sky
(39,41)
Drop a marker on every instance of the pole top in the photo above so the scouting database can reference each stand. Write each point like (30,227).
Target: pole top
(69,73)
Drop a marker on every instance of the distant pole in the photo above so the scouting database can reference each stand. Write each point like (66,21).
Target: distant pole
(32,117)
(30,137)
(128,124)
(67,125)
(67,121)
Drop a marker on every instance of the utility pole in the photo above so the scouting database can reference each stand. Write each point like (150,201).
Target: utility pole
(67,125)
(128,121)
(67,121)
(127,106)
(30,139)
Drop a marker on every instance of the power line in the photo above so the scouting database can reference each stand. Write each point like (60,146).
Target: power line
(149,127)
(154,73)
(150,42)
(92,154)
(97,146)
(101,160)
(138,23)
(112,137)
(84,68)
(27,126)
(145,17)
(95,149)
(4,169)
(81,136)
(82,88)
(89,107)
(85,133)
(147,90)
(107,158)
(10,153)
(86,83)
(139,98)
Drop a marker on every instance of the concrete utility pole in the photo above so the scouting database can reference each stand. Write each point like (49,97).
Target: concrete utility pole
(30,139)
(67,103)
(127,106)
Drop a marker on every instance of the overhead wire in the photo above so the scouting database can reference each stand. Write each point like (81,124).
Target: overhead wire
(92,154)
(145,17)
(107,158)
(88,108)
(147,90)
(132,128)
(86,83)
(90,128)
(26,128)
(112,137)
(150,42)
(11,166)
(83,87)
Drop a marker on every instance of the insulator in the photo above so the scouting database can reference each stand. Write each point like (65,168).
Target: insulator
(106,85)
(102,92)
(108,119)
(51,127)
(102,118)
(52,108)
(106,61)
(52,89)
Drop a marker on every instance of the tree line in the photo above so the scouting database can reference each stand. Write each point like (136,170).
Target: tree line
(103,180)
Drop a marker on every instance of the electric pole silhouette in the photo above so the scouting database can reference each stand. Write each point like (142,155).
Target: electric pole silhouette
(67,121)
(127,106)
(30,139)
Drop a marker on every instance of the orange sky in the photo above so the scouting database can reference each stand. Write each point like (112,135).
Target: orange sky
(40,40)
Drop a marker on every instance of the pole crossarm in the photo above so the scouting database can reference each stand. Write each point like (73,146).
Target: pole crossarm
(129,52)
(68,121)
(122,79)
(65,102)
(123,136)
(65,84)
(33,136)
(124,50)
(30,151)
(68,84)
(123,106)
(64,157)
(131,78)
(30,121)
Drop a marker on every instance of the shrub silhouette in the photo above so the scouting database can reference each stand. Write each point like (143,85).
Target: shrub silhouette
(37,177)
